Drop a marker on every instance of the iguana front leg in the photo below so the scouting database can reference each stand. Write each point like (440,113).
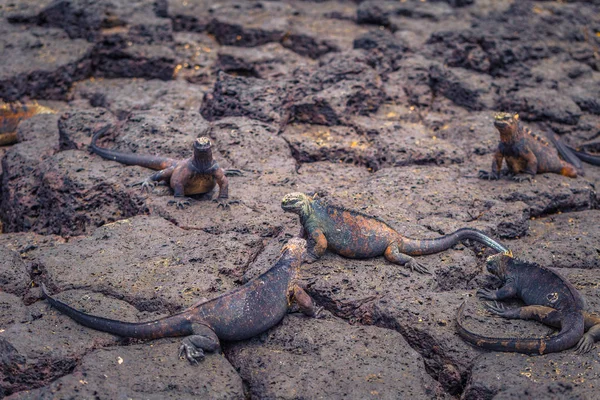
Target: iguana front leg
(509,290)
(202,339)
(392,253)
(305,302)
(317,244)
(223,183)
(496,167)
(531,167)
(179,179)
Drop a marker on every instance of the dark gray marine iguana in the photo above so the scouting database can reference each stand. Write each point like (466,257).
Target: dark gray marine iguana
(356,235)
(239,314)
(195,175)
(549,298)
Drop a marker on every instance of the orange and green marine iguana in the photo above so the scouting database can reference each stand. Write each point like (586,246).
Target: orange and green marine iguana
(550,299)
(11,114)
(237,315)
(195,175)
(356,235)
(527,154)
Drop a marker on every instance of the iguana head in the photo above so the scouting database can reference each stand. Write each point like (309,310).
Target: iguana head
(203,152)
(506,123)
(202,144)
(498,264)
(295,248)
(296,202)
(13,113)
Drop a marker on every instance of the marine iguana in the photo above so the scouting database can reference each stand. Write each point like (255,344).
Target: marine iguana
(195,175)
(550,299)
(239,314)
(356,235)
(527,154)
(11,114)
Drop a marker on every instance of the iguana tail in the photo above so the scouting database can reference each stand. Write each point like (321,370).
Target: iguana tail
(588,158)
(567,153)
(572,330)
(146,161)
(175,325)
(415,247)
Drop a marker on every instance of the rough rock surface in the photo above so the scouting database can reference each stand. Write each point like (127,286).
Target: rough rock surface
(383,106)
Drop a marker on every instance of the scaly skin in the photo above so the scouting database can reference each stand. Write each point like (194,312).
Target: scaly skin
(550,299)
(195,175)
(527,154)
(355,235)
(586,157)
(11,114)
(237,315)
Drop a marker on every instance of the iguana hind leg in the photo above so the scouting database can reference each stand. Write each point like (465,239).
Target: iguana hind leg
(592,324)
(546,315)
(551,317)
(151,181)
(393,254)
(203,339)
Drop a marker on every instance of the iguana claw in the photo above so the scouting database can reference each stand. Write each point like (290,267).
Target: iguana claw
(181,204)
(585,344)
(488,175)
(233,172)
(496,308)
(147,185)
(522,177)
(225,203)
(414,265)
(191,352)
(486,294)
(319,314)
(310,258)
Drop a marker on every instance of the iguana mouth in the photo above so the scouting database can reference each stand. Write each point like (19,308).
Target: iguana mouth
(502,120)
(293,204)
(501,124)
(291,201)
